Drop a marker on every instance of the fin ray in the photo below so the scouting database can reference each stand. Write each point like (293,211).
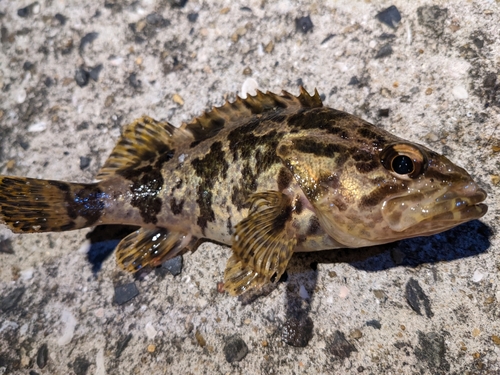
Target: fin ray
(30,205)
(263,243)
(142,142)
(230,114)
(150,247)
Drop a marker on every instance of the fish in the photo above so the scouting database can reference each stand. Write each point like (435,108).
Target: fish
(268,175)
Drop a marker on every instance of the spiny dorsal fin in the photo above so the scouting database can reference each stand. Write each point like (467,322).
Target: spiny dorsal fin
(142,142)
(231,114)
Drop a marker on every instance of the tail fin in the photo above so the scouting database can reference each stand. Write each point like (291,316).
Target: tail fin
(32,205)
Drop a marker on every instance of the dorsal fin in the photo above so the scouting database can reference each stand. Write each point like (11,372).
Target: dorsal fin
(142,142)
(210,123)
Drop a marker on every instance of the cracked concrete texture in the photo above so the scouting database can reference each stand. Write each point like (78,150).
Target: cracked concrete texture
(73,74)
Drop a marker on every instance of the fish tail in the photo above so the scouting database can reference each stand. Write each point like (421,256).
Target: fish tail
(29,205)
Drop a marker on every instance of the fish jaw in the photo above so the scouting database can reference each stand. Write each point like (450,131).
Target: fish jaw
(415,215)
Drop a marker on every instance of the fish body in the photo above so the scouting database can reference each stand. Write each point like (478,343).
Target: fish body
(268,175)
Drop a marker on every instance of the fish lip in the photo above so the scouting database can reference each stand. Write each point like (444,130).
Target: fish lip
(457,205)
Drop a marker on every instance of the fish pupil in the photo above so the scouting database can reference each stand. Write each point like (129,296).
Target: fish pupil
(402,164)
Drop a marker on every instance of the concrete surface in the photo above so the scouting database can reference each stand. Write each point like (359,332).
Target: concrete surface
(426,306)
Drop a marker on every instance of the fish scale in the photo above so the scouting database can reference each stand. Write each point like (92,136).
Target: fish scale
(269,175)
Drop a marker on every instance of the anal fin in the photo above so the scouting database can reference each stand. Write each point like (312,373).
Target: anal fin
(263,243)
(150,248)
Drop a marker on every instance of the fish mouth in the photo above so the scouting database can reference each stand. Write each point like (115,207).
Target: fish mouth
(421,215)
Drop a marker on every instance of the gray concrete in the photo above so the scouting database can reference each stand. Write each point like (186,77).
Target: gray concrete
(439,86)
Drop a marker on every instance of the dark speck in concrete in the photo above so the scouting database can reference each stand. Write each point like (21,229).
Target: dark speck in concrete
(235,349)
(433,18)
(354,81)
(42,356)
(383,112)
(384,51)
(60,18)
(133,81)
(298,331)
(81,366)
(340,347)
(390,17)
(87,39)
(6,246)
(432,351)
(304,24)
(94,72)
(122,344)
(173,266)
(157,20)
(84,162)
(417,299)
(374,323)
(28,65)
(11,300)
(81,77)
(192,17)
(24,12)
(478,42)
(177,3)
(82,126)
(48,82)
(124,293)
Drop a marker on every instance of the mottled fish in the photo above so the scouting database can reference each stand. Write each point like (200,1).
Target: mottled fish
(269,175)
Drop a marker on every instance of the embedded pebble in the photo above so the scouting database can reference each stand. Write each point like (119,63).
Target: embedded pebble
(384,51)
(124,293)
(178,99)
(200,339)
(150,331)
(100,369)
(21,96)
(81,366)
(477,276)
(82,77)
(417,299)
(84,162)
(69,322)
(340,347)
(42,356)
(173,266)
(11,300)
(303,292)
(94,72)
(37,127)
(192,17)
(235,349)
(298,332)
(87,39)
(374,323)
(460,92)
(304,24)
(390,17)
(27,273)
(343,292)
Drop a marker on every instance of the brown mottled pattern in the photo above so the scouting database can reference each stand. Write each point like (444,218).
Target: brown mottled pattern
(331,173)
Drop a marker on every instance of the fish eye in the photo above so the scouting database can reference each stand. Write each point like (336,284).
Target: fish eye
(402,164)
(404,159)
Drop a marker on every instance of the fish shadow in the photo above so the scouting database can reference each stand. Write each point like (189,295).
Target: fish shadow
(103,241)
(466,240)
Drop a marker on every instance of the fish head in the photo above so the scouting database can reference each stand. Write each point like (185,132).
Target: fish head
(381,188)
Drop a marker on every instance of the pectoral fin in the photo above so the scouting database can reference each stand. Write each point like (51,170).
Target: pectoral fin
(150,248)
(263,243)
